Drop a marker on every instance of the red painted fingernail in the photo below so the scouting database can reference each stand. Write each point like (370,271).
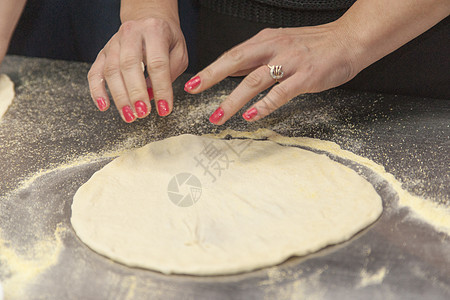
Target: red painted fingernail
(141,109)
(216,116)
(128,114)
(101,103)
(250,114)
(192,84)
(163,108)
(150,93)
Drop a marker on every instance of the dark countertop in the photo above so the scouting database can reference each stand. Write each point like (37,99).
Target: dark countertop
(53,122)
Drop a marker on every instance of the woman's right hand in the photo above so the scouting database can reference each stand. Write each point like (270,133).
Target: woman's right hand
(159,44)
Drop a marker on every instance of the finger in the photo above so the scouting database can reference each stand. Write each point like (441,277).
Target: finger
(96,82)
(132,70)
(116,83)
(236,61)
(253,84)
(158,68)
(279,95)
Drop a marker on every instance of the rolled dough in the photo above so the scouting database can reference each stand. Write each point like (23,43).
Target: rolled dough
(206,206)
(6,93)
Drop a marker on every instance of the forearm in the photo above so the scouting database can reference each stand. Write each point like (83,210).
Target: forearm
(10,11)
(377,28)
(137,9)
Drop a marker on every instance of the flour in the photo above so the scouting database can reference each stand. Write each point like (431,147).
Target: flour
(24,266)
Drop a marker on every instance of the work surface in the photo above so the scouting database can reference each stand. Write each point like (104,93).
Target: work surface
(52,139)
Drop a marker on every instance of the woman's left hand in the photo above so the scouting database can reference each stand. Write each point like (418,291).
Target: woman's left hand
(313,59)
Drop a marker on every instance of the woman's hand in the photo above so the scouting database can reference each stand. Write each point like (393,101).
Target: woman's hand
(155,41)
(315,58)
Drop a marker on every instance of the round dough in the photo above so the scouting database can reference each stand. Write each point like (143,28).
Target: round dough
(205,206)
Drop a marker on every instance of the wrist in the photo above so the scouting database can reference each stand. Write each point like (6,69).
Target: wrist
(350,49)
(138,9)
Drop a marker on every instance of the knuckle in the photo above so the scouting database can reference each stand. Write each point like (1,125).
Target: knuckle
(136,94)
(127,26)
(301,52)
(121,97)
(266,32)
(111,70)
(130,62)
(305,49)
(277,96)
(270,33)
(161,92)
(268,105)
(157,64)
(208,73)
(92,75)
(282,39)
(280,92)
(230,103)
(95,89)
(157,25)
(154,22)
(253,80)
(235,55)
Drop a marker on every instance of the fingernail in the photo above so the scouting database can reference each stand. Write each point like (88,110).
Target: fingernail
(192,84)
(141,109)
(216,116)
(250,114)
(150,93)
(101,103)
(128,114)
(163,108)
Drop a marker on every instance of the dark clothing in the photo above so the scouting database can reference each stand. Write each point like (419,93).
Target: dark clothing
(419,68)
(70,30)
(284,13)
(309,4)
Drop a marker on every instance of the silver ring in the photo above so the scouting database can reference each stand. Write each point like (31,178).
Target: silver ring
(276,72)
